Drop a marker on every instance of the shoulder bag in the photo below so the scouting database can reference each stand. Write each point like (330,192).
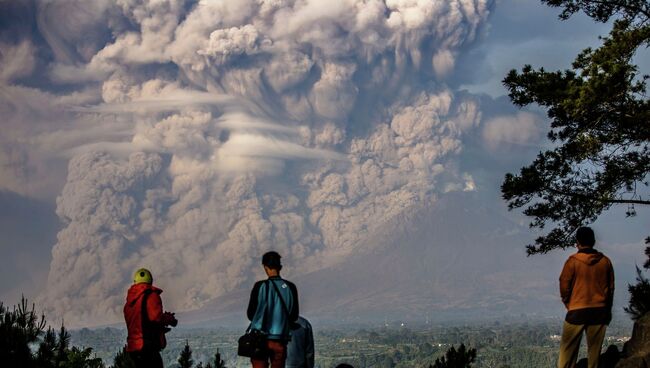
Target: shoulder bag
(253,343)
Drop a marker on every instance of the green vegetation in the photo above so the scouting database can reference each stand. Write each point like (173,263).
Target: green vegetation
(599,119)
(25,342)
(218,362)
(123,360)
(461,358)
(599,115)
(21,329)
(523,343)
(185,359)
(639,297)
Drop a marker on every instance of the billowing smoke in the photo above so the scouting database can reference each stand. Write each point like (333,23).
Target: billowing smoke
(239,127)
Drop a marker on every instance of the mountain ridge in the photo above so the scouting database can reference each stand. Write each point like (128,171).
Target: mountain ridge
(421,266)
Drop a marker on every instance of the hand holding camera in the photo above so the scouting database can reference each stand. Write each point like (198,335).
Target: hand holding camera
(169,319)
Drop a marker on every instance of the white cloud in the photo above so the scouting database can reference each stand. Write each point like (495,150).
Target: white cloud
(227,43)
(521,129)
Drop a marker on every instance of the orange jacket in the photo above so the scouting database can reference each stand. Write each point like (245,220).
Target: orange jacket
(587,280)
(142,333)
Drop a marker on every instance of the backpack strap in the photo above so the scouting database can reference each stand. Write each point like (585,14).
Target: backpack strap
(149,329)
(143,307)
(284,306)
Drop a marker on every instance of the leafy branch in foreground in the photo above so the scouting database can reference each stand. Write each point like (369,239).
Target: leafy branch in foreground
(599,115)
(639,297)
(637,11)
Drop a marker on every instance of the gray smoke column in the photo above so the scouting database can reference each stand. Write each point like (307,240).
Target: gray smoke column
(299,126)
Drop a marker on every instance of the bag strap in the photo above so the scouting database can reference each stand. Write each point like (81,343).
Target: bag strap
(284,306)
(144,316)
(150,329)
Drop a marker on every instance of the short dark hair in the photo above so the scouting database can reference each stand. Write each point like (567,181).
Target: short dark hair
(272,260)
(585,236)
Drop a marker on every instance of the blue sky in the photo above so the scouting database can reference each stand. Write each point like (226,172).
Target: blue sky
(190,137)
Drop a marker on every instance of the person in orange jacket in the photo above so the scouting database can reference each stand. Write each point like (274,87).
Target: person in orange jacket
(587,291)
(146,322)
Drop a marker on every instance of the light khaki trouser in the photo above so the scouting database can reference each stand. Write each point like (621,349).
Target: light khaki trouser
(570,344)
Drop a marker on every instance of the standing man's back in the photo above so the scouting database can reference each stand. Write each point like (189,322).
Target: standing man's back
(273,305)
(587,291)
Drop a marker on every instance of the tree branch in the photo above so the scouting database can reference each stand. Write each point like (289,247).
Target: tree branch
(584,196)
(629,7)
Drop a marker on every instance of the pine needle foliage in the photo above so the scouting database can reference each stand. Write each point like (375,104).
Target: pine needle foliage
(600,129)
(461,358)
(123,360)
(22,329)
(599,114)
(185,358)
(639,303)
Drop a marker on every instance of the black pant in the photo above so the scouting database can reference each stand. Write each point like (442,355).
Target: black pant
(147,359)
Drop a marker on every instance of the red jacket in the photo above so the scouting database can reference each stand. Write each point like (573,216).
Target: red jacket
(150,332)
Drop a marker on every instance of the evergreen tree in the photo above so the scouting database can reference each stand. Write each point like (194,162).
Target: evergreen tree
(80,358)
(218,362)
(600,113)
(47,350)
(600,128)
(21,328)
(123,360)
(185,359)
(461,358)
(639,303)
(63,344)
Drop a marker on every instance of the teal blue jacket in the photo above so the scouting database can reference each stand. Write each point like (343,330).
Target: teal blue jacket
(265,310)
(300,351)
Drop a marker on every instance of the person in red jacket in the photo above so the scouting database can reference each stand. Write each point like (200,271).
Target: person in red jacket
(146,322)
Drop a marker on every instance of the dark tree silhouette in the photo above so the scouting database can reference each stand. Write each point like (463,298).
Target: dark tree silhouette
(461,358)
(599,114)
(185,359)
(21,328)
(123,360)
(47,350)
(637,11)
(639,297)
(80,358)
(63,346)
(600,125)
(218,362)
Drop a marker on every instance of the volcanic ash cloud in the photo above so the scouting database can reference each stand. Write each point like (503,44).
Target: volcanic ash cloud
(299,126)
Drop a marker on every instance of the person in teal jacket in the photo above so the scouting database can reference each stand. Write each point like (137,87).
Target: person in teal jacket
(272,308)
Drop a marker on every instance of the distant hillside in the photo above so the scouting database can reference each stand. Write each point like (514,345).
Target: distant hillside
(425,266)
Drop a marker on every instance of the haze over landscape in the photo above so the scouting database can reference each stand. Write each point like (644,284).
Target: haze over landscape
(363,140)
